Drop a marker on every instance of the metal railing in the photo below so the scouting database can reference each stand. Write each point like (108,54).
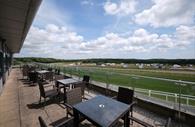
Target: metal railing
(188,100)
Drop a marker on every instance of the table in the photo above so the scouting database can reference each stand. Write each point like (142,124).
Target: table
(102,111)
(65,83)
(42,73)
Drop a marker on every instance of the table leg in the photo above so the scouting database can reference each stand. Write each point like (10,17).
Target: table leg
(126,120)
(64,94)
(76,118)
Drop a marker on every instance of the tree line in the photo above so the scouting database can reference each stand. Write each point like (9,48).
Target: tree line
(109,60)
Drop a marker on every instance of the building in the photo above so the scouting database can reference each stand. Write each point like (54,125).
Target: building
(15,20)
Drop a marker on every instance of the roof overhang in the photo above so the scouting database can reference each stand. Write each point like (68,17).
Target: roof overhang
(16,17)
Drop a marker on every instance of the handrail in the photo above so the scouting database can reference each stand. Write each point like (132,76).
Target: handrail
(149,93)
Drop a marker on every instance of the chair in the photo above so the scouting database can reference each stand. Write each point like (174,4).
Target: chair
(167,123)
(86,79)
(125,95)
(66,123)
(144,124)
(48,93)
(73,97)
(25,71)
(49,76)
(33,77)
(42,122)
(57,71)
(82,86)
(49,69)
(58,77)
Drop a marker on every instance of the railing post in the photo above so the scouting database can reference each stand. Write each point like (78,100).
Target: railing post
(149,93)
(187,100)
(166,98)
(175,98)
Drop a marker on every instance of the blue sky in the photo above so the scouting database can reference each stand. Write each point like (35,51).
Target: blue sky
(77,29)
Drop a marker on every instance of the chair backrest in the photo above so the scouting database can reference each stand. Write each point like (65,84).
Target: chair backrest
(86,78)
(42,122)
(33,76)
(59,77)
(74,96)
(41,89)
(57,71)
(49,69)
(125,95)
(49,76)
(25,70)
(82,86)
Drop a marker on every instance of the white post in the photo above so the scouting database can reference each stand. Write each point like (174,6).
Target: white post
(187,101)
(166,98)
(175,98)
(149,93)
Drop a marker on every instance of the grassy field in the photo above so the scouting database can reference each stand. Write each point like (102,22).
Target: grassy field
(125,78)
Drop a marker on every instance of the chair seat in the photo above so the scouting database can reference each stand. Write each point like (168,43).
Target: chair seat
(52,92)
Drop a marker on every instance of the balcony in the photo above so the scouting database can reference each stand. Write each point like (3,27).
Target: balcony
(19,106)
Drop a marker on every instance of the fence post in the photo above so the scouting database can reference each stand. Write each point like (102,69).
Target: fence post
(166,98)
(187,101)
(175,98)
(149,93)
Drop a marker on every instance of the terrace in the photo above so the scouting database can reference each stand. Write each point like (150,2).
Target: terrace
(156,101)
(19,106)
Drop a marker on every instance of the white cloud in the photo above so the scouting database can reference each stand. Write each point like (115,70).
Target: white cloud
(87,2)
(124,7)
(50,13)
(60,42)
(165,13)
(185,35)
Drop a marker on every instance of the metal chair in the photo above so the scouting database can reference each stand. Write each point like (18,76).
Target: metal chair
(73,97)
(86,79)
(66,123)
(49,76)
(25,71)
(167,123)
(46,94)
(125,95)
(33,77)
(42,122)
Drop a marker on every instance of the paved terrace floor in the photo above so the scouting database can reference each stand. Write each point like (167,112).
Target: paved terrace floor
(19,106)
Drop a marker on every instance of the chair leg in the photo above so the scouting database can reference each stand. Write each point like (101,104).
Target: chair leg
(66,112)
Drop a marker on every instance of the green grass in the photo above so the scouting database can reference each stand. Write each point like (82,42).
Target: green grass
(124,77)
(177,75)
(119,78)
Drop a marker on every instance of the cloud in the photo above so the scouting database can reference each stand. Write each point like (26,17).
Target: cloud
(60,42)
(124,7)
(87,2)
(184,35)
(50,13)
(166,13)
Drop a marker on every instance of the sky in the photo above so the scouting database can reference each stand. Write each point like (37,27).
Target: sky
(142,29)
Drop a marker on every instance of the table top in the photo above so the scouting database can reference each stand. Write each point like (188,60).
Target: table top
(42,71)
(102,110)
(67,81)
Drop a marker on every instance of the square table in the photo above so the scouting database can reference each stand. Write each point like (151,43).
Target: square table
(102,111)
(65,83)
(42,73)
